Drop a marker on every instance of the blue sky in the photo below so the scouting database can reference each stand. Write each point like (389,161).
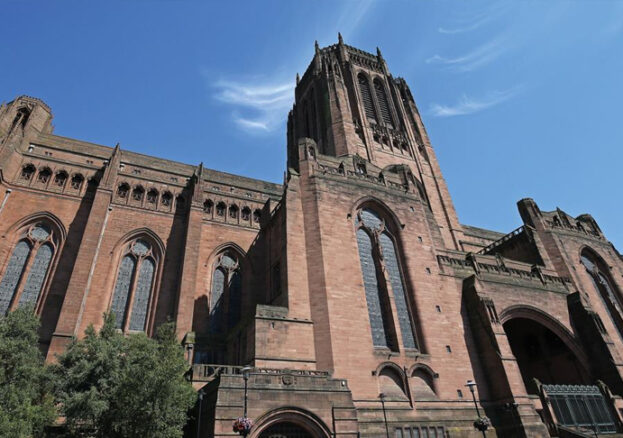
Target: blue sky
(520,99)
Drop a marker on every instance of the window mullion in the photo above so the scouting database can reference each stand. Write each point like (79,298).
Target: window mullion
(131,294)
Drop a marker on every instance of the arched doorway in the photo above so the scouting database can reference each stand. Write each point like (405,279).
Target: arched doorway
(542,354)
(290,422)
(286,429)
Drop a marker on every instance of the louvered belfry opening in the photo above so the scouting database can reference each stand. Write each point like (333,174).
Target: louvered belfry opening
(381,98)
(366,96)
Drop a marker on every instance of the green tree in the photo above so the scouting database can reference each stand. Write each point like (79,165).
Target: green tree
(112,385)
(26,401)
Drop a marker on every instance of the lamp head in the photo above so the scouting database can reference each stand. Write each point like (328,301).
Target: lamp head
(471,385)
(246,371)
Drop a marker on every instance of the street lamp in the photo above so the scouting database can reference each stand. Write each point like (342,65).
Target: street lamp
(245,375)
(482,423)
(382,397)
(243,424)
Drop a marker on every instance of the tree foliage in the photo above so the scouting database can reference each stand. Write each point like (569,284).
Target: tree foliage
(112,385)
(26,401)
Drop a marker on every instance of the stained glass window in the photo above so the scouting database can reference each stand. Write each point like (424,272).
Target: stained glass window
(122,289)
(380,265)
(36,275)
(226,294)
(141,295)
(371,285)
(395,277)
(235,298)
(12,275)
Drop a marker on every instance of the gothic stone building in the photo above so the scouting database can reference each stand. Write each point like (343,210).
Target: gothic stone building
(361,302)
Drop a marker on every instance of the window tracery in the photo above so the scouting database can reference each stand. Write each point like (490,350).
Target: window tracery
(152,196)
(167,197)
(604,286)
(28,171)
(76,181)
(137,193)
(134,285)
(28,268)
(226,293)
(44,176)
(123,190)
(60,178)
(382,273)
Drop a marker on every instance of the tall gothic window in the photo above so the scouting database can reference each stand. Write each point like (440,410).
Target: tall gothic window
(134,285)
(381,98)
(366,97)
(28,267)
(382,275)
(598,273)
(226,296)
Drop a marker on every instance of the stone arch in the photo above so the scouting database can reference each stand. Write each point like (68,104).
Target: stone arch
(392,381)
(423,382)
(392,222)
(544,348)
(302,418)
(29,265)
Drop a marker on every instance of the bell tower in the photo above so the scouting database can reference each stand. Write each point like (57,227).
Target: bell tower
(348,102)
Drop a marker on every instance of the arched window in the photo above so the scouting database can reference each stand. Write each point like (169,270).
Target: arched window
(137,193)
(366,96)
(381,98)
(257,215)
(27,172)
(220,209)
(44,176)
(123,190)
(226,293)
(167,197)
(152,196)
(134,285)
(381,271)
(207,206)
(76,181)
(28,267)
(246,214)
(233,211)
(60,178)
(605,288)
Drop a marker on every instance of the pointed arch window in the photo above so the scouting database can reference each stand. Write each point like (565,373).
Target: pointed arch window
(604,286)
(366,97)
(381,98)
(28,268)
(134,285)
(226,293)
(382,274)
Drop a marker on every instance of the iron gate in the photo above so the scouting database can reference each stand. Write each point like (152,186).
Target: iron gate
(582,406)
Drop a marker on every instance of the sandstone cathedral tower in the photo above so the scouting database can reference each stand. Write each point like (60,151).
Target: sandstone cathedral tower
(361,303)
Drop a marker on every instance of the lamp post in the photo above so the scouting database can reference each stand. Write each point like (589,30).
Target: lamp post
(382,397)
(483,427)
(199,413)
(245,375)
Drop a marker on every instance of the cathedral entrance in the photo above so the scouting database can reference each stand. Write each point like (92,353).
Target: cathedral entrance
(542,354)
(286,429)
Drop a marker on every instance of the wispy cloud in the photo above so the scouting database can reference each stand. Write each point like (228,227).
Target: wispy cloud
(466,28)
(478,57)
(467,105)
(257,107)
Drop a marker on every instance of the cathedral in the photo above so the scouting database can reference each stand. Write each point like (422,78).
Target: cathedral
(349,301)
